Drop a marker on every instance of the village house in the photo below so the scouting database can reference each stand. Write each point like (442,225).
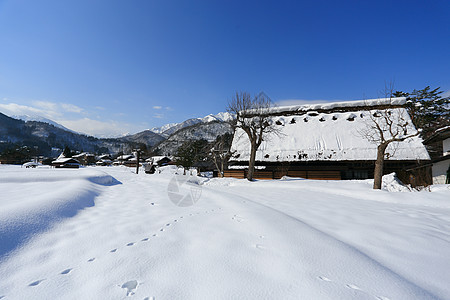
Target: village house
(85,158)
(439,148)
(126,160)
(159,160)
(325,141)
(104,160)
(66,162)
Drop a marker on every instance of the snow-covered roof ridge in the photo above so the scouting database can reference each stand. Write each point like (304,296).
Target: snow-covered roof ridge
(64,160)
(443,128)
(342,104)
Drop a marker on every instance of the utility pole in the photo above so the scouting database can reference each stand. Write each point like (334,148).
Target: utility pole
(138,154)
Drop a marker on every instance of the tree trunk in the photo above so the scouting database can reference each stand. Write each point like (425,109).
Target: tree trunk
(221,169)
(378,172)
(251,163)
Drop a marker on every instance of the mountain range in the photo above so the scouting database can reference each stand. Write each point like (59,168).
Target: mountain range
(169,129)
(47,136)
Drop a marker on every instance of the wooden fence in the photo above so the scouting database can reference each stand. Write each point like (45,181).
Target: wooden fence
(319,175)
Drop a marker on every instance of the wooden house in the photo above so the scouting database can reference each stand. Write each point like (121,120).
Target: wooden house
(66,162)
(159,160)
(324,141)
(85,158)
(439,148)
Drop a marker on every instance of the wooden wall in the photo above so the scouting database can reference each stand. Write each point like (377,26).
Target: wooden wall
(259,174)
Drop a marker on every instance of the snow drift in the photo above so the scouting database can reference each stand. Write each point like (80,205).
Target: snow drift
(34,199)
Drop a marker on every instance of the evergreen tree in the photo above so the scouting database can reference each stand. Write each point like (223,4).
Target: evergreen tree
(427,109)
(15,155)
(67,152)
(191,152)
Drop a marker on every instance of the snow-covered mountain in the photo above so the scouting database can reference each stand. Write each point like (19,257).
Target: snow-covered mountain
(208,131)
(146,137)
(37,118)
(169,129)
(45,133)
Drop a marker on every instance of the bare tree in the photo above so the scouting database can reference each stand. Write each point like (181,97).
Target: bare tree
(252,115)
(385,127)
(220,152)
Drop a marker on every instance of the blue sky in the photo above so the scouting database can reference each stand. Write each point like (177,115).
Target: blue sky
(109,67)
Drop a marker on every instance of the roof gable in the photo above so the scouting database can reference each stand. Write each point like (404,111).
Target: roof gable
(314,136)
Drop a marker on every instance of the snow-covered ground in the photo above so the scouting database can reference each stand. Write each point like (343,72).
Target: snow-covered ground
(107,233)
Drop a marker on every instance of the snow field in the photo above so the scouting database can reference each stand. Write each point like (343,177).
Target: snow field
(285,239)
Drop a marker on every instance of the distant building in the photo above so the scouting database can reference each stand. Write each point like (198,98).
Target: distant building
(66,162)
(85,158)
(159,160)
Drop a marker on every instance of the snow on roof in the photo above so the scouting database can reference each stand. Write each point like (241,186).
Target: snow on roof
(65,160)
(31,164)
(61,156)
(343,104)
(324,137)
(443,129)
(83,154)
(125,157)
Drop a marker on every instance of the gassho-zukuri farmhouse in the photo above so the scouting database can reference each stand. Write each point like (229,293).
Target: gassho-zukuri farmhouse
(325,141)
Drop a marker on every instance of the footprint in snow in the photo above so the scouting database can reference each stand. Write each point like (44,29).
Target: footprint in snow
(66,271)
(91,260)
(1,297)
(144,240)
(162,229)
(35,283)
(237,218)
(155,234)
(130,286)
(324,278)
(130,244)
(352,286)
(113,250)
(168,224)
(153,203)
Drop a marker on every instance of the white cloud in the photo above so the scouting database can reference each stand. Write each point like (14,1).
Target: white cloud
(72,117)
(158,116)
(157,107)
(47,109)
(445,94)
(71,108)
(11,109)
(97,128)
(51,106)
